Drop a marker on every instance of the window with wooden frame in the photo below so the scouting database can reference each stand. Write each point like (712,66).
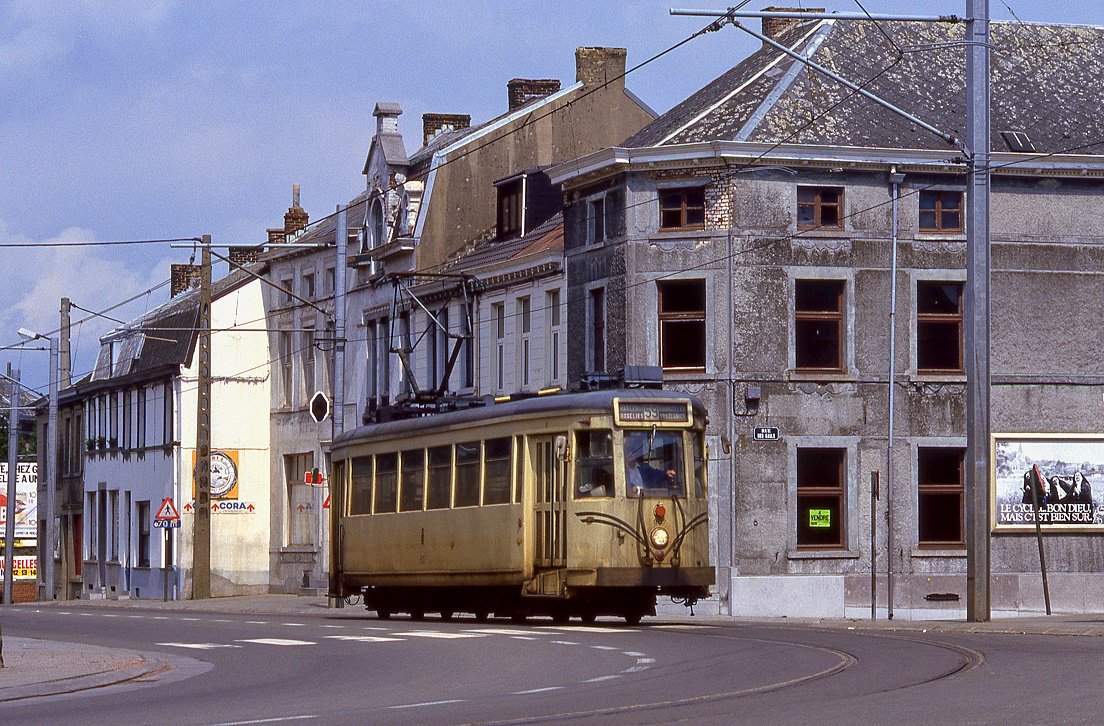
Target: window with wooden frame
(682,324)
(596,220)
(940,211)
(682,208)
(820,207)
(818,324)
(821,478)
(939,497)
(939,327)
(509,210)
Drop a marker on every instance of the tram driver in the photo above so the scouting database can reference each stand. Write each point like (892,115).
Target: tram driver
(639,474)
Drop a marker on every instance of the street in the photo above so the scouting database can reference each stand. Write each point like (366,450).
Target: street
(344,665)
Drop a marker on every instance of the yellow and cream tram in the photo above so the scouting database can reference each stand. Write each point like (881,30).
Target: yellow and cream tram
(580,504)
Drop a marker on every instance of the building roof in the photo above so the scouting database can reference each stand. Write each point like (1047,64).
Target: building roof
(1044,81)
(547,237)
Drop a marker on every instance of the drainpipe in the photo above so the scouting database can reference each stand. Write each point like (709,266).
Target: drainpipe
(895,180)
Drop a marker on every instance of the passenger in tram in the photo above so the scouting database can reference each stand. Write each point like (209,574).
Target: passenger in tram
(602,486)
(639,475)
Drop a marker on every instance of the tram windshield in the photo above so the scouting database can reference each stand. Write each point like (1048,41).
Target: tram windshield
(654,464)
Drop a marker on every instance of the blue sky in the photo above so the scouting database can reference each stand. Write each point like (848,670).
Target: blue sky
(136,119)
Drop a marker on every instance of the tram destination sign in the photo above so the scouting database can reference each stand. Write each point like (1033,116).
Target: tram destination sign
(765,433)
(662,413)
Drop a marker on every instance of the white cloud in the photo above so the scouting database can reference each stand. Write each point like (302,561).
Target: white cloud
(92,277)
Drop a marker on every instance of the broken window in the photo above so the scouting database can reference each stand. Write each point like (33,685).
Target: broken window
(596,220)
(939,478)
(682,208)
(682,323)
(940,212)
(820,500)
(820,207)
(818,324)
(939,327)
(597,337)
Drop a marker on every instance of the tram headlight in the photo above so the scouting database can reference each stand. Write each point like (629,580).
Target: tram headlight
(660,537)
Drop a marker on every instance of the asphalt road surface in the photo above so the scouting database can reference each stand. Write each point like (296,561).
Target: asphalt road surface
(345,666)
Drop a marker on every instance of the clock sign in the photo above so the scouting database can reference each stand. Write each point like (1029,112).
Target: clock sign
(224,474)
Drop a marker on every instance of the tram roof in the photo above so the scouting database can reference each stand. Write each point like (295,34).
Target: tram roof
(597,401)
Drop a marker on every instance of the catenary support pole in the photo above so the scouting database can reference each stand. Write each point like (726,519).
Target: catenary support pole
(977,313)
(14,398)
(50,530)
(895,180)
(341,244)
(201,533)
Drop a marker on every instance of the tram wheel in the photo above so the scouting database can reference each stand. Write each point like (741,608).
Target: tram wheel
(419,615)
(383,615)
(561,618)
(588,617)
(633,618)
(518,617)
(446,615)
(482,616)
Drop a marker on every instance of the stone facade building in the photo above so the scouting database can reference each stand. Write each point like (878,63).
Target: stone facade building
(746,240)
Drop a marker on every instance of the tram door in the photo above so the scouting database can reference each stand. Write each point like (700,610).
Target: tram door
(551,499)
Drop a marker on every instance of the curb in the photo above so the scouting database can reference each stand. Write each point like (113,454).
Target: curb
(134,666)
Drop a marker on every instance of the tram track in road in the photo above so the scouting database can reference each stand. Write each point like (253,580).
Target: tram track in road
(969,659)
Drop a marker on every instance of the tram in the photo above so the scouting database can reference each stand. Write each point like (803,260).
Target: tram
(566,505)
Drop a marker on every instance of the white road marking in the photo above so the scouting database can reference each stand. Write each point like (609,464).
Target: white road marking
(293,625)
(362,638)
(109,615)
(219,620)
(369,627)
(256,622)
(270,720)
(590,629)
(634,654)
(339,627)
(503,631)
(428,703)
(192,619)
(200,646)
(139,617)
(160,617)
(635,669)
(565,642)
(603,647)
(522,637)
(598,679)
(436,634)
(275,641)
(645,660)
(536,690)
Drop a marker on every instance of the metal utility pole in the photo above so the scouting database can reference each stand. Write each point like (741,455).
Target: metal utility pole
(47,552)
(14,398)
(201,531)
(977,313)
(341,242)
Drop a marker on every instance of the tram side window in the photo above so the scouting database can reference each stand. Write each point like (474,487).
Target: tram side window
(361,500)
(594,463)
(387,482)
(699,465)
(496,471)
(519,472)
(439,491)
(654,464)
(413,481)
(467,475)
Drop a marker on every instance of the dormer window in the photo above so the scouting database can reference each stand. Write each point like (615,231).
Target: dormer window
(376,231)
(509,210)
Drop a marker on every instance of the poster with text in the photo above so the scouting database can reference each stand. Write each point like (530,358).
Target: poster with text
(1057,478)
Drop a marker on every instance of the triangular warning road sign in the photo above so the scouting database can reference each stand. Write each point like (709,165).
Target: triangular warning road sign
(167,511)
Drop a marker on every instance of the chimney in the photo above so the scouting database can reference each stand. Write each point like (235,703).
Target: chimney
(183,278)
(521,91)
(438,123)
(774,27)
(295,219)
(594,66)
(276,235)
(387,117)
(246,255)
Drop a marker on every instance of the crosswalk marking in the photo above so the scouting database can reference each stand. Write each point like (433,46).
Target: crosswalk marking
(199,646)
(503,631)
(599,679)
(437,634)
(363,638)
(275,641)
(603,647)
(590,629)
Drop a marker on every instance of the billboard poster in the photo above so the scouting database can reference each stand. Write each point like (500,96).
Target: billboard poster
(1066,473)
(23,567)
(26,499)
(224,474)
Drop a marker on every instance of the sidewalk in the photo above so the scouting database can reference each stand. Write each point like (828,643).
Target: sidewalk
(40,668)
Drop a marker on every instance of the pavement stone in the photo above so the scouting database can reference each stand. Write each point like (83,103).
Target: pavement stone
(39,668)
